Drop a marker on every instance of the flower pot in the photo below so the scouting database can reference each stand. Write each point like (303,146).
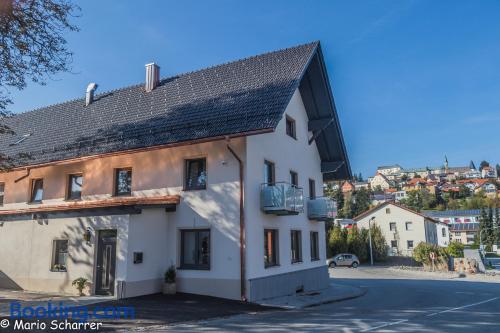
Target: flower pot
(169,288)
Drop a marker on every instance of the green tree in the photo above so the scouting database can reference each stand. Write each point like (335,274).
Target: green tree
(486,231)
(379,244)
(347,210)
(356,244)
(32,48)
(483,165)
(455,249)
(337,240)
(362,201)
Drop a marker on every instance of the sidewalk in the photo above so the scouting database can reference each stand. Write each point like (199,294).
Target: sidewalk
(334,293)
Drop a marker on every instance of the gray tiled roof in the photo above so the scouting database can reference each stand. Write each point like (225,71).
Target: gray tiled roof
(237,97)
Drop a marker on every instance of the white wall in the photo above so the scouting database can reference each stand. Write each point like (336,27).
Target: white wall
(400,216)
(26,251)
(287,154)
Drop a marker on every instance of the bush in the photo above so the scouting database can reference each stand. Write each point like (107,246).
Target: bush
(455,249)
(337,241)
(422,253)
(80,284)
(170,274)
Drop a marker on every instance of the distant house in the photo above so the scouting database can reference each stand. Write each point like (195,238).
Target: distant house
(389,169)
(404,228)
(380,180)
(377,199)
(415,184)
(464,232)
(399,195)
(360,185)
(455,216)
(463,224)
(489,172)
(472,174)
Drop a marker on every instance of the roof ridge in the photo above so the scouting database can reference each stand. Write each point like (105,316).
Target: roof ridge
(136,85)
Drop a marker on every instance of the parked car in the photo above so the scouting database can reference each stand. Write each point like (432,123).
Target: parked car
(343,259)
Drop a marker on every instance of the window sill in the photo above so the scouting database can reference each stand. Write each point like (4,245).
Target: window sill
(122,194)
(194,189)
(271,266)
(315,259)
(297,262)
(58,271)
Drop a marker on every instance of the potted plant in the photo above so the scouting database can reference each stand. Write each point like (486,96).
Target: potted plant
(169,287)
(80,284)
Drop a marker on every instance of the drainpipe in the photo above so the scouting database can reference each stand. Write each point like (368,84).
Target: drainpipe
(28,171)
(242,228)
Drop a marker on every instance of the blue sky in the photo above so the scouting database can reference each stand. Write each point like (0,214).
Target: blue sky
(412,80)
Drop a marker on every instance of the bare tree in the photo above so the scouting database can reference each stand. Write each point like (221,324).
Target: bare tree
(32,48)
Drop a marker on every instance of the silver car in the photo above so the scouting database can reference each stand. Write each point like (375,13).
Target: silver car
(343,259)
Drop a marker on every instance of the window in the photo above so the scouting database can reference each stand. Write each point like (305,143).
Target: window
(387,210)
(269,173)
(59,255)
(294,178)
(296,236)
(2,193)
(196,174)
(312,189)
(392,226)
(36,190)
(409,226)
(123,181)
(458,234)
(290,127)
(314,246)
(443,232)
(394,243)
(409,244)
(75,183)
(195,249)
(271,248)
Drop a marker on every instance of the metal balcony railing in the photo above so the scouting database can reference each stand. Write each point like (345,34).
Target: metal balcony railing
(281,199)
(321,209)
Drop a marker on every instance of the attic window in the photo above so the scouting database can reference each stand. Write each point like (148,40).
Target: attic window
(21,139)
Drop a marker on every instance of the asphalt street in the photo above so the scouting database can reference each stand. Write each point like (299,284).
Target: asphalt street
(392,303)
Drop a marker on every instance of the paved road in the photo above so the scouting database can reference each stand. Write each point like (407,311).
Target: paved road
(393,303)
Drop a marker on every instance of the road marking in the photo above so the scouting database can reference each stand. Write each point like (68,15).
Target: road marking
(462,307)
(384,325)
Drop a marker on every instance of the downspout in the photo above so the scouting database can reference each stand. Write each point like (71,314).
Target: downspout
(28,171)
(242,228)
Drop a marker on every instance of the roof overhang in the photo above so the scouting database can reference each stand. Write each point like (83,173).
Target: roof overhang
(113,206)
(324,123)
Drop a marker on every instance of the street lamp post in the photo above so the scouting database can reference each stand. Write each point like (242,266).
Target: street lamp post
(370,237)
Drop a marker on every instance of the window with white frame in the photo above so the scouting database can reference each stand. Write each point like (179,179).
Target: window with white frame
(2,193)
(59,255)
(409,226)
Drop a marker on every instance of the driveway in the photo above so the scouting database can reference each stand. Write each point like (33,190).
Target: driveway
(393,303)
(149,312)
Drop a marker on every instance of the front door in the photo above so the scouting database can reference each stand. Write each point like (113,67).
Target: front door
(106,262)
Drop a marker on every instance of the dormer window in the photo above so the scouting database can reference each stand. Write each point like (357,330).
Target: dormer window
(290,127)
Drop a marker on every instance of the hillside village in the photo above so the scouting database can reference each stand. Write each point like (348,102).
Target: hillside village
(436,205)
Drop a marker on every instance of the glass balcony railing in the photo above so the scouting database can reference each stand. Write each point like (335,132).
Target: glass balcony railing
(321,209)
(281,199)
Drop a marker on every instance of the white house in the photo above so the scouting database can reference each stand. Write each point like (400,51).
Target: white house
(380,180)
(489,172)
(389,169)
(403,228)
(218,172)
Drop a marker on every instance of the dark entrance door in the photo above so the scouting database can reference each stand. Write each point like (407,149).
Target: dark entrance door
(106,262)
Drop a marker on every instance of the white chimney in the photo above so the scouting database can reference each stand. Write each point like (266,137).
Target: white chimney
(152,76)
(89,96)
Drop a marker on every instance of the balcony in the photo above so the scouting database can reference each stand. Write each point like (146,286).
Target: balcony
(321,209)
(281,199)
